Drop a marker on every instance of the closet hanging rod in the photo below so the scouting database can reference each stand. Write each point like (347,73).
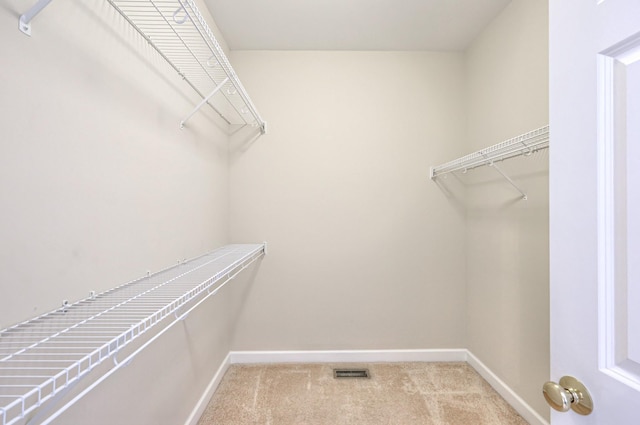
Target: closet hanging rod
(524,144)
(43,358)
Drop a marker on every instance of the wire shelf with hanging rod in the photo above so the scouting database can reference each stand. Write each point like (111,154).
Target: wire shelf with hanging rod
(524,144)
(178,31)
(43,358)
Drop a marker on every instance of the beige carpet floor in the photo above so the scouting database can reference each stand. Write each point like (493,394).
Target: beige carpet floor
(396,394)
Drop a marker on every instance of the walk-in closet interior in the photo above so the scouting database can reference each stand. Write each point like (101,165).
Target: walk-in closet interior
(122,164)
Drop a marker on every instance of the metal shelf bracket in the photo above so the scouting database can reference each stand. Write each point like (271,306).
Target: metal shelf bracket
(507,178)
(203,102)
(25,20)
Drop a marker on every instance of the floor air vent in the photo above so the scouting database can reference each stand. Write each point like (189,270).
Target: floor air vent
(351,373)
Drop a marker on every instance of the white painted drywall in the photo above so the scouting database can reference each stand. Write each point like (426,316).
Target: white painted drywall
(507,239)
(98,185)
(364,251)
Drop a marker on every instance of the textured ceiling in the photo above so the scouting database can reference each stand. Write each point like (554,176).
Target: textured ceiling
(352,24)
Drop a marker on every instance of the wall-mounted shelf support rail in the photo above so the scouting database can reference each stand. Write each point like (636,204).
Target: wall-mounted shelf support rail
(42,358)
(180,34)
(525,144)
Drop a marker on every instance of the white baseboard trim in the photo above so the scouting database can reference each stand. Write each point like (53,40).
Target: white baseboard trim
(200,407)
(506,392)
(348,356)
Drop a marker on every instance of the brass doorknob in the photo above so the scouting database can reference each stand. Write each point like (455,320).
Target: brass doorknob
(569,393)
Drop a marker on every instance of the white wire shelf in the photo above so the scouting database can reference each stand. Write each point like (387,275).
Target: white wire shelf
(524,144)
(179,33)
(43,357)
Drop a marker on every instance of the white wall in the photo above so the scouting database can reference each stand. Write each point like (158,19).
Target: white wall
(364,251)
(99,185)
(507,239)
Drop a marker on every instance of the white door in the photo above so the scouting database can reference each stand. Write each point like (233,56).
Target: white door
(595,204)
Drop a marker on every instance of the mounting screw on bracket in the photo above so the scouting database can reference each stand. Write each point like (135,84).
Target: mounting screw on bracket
(25,27)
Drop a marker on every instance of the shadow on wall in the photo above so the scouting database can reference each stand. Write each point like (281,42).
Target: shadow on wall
(485,189)
(13,12)
(241,141)
(454,189)
(241,293)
